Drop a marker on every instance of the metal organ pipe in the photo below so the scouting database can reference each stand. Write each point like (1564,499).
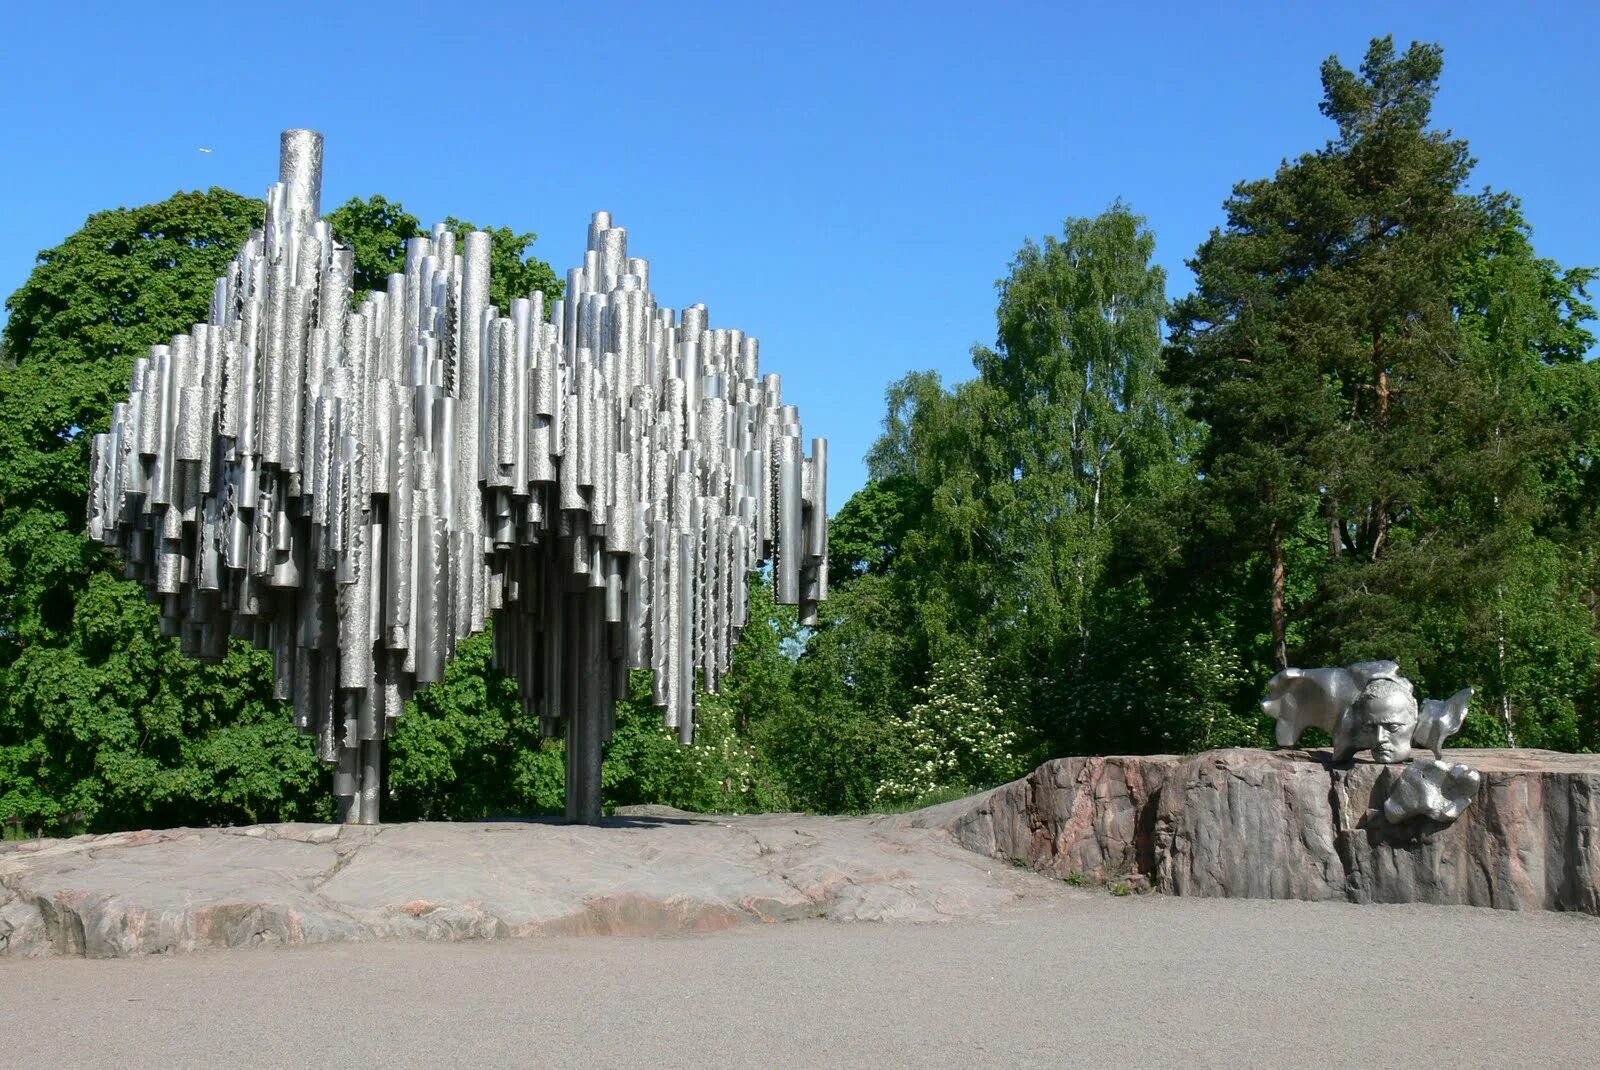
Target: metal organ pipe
(357,489)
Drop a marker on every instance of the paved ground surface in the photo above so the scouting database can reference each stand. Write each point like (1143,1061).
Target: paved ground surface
(1077,979)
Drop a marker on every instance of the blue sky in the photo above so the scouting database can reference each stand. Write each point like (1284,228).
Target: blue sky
(845,182)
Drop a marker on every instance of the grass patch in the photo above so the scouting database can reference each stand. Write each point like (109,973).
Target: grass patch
(931,798)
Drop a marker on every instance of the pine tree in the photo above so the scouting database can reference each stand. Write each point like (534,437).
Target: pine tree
(1370,346)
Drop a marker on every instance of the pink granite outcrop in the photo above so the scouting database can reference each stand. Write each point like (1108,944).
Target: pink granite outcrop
(1292,824)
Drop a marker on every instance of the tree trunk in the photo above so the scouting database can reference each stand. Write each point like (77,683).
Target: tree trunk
(1280,646)
(1381,370)
(1505,692)
(1379,530)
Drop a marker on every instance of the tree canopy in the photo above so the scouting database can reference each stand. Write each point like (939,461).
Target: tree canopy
(102,722)
(1370,430)
(1372,348)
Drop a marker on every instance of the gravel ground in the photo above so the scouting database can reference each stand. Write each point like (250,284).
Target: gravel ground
(1084,979)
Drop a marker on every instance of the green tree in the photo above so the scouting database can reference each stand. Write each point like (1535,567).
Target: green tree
(1086,435)
(376,229)
(129,279)
(726,770)
(970,573)
(1321,330)
(513,269)
(866,535)
(955,737)
(1034,472)
(833,744)
(99,719)
(114,728)
(1371,348)
(102,722)
(1510,500)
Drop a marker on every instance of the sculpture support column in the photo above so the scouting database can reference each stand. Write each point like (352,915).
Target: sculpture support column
(371,779)
(359,787)
(583,772)
(585,740)
(347,787)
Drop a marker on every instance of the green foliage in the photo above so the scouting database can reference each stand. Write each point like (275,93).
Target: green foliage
(726,771)
(723,773)
(866,534)
(464,749)
(513,269)
(833,743)
(376,230)
(971,574)
(116,729)
(102,723)
(1176,677)
(130,278)
(997,508)
(829,756)
(954,737)
(1371,434)
(1386,372)
(950,793)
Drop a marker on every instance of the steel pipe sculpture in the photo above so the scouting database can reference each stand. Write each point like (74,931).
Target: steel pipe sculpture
(357,489)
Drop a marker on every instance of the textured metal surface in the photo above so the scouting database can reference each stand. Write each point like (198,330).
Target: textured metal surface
(1298,699)
(1440,719)
(1433,790)
(1332,699)
(1370,707)
(358,489)
(1381,720)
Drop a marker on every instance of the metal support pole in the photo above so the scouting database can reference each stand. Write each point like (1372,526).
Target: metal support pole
(371,779)
(584,730)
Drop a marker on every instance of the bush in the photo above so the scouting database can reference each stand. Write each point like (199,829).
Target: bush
(957,735)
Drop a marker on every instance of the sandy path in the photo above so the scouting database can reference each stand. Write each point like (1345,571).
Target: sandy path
(1083,979)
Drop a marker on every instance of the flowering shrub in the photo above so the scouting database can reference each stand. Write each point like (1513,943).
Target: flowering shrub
(955,736)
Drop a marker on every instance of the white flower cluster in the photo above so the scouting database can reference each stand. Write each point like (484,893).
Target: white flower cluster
(724,762)
(955,736)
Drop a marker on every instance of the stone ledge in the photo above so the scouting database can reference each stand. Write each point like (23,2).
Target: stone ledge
(1291,824)
(1232,823)
(647,872)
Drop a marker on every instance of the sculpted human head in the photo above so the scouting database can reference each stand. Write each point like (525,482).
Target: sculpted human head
(1382,719)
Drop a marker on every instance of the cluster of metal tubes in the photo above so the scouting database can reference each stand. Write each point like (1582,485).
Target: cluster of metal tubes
(356,490)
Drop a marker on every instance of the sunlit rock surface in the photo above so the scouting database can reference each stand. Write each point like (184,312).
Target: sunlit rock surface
(1291,824)
(651,871)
